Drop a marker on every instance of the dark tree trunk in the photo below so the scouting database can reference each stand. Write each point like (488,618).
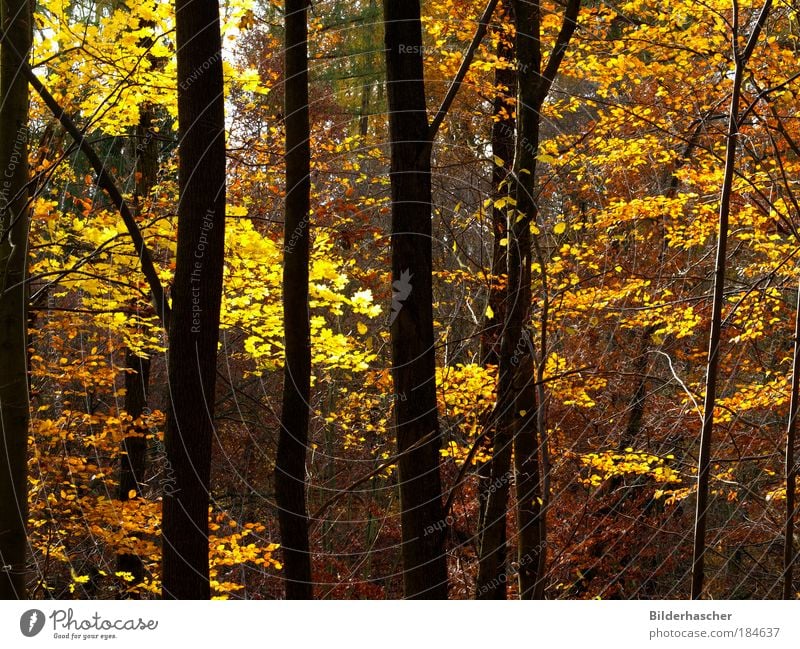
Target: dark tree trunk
(133,461)
(290,466)
(704,461)
(519,419)
(522,420)
(529,421)
(14,223)
(790,468)
(503,131)
(413,354)
(134,448)
(490,585)
(197,291)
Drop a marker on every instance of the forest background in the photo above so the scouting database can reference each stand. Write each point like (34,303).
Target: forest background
(343,300)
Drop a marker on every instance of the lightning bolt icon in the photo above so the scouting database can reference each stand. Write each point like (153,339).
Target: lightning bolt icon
(32,621)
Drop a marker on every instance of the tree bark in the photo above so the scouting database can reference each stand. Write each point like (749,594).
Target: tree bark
(518,418)
(503,131)
(520,379)
(290,465)
(197,291)
(494,474)
(704,462)
(413,354)
(134,448)
(15,17)
(133,461)
(790,468)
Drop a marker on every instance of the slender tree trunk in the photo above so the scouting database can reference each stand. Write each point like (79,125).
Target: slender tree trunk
(197,291)
(363,118)
(14,222)
(496,474)
(636,408)
(704,462)
(134,448)
(413,355)
(523,419)
(503,131)
(531,452)
(519,422)
(133,461)
(790,468)
(290,466)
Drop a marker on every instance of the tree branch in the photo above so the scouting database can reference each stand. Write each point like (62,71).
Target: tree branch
(560,48)
(107,182)
(452,91)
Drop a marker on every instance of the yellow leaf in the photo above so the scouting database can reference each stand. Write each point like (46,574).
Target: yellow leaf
(489,312)
(132,494)
(559,228)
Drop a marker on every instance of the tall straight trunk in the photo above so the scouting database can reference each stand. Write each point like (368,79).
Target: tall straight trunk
(523,417)
(15,18)
(704,462)
(494,474)
(503,130)
(502,138)
(197,292)
(519,423)
(290,465)
(790,468)
(413,354)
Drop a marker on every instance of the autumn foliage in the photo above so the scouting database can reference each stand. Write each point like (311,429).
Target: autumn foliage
(629,169)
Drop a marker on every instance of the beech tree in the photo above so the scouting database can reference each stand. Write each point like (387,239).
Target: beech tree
(15,19)
(579,223)
(502,137)
(137,381)
(196,298)
(741,58)
(518,414)
(290,464)
(413,354)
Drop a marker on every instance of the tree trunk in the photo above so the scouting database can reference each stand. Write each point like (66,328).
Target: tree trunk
(134,448)
(133,461)
(493,474)
(503,130)
(197,291)
(520,379)
(518,418)
(706,433)
(14,223)
(790,468)
(290,466)
(413,354)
